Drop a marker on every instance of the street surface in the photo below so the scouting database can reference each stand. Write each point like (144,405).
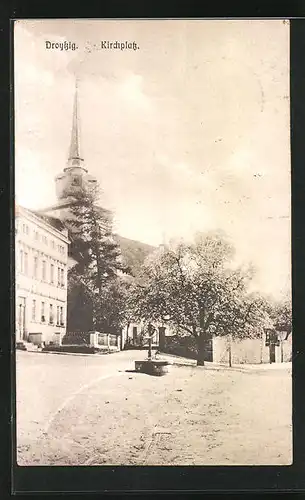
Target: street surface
(94,410)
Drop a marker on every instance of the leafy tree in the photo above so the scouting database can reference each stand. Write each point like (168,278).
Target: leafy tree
(280,313)
(196,289)
(94,282)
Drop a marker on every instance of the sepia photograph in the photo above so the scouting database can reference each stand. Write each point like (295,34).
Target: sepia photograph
(153,316)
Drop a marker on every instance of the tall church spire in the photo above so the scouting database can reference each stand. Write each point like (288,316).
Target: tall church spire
(75,158)
(75,176)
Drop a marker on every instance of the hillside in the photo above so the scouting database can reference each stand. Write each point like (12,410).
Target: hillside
(134,252)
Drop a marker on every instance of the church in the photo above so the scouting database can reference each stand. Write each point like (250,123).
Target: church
(75,177)
(68,183)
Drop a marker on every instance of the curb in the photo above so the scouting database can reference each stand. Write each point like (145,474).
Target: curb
(96,354)
(245,368)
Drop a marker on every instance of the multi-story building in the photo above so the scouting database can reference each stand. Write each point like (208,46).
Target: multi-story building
(41,250)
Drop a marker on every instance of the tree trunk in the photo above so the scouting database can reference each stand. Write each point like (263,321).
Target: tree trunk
(201,349)
(230,351)
(230,354)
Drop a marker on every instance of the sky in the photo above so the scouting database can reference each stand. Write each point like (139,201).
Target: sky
(190,132)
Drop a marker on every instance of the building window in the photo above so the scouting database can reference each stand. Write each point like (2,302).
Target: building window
(21,261)
(43,316)
(44,270)
(35,266)
(51,315)
(52,244)
(44,240)
(36,235)
(61,316)
(58,316)
(26,259)
(62,279)
(58,276)
(34,310)
(52,273)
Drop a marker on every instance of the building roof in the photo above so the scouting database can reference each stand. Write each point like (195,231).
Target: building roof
(66,203)
(54,222)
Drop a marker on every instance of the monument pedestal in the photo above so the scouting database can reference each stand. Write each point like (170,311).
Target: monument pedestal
(152,367)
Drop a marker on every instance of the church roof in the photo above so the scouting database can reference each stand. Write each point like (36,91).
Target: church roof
(75,146)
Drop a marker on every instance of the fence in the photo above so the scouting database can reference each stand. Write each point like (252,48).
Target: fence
(107,339)
(96,339)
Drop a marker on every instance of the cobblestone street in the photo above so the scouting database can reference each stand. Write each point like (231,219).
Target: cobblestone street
(93,410)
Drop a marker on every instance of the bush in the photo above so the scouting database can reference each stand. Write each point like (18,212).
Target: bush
(76,338)
(181,346)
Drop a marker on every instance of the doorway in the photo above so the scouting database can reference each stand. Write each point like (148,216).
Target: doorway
(272,353)
(20,319)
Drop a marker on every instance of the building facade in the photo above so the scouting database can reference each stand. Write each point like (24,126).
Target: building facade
(41,257)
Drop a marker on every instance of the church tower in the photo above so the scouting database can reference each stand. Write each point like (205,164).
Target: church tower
(74,176)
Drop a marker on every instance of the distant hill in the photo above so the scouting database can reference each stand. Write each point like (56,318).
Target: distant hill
(134,252)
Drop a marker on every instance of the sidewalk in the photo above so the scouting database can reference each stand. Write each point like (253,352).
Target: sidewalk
(179,360)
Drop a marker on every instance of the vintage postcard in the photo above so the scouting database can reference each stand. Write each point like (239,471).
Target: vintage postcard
(152,242)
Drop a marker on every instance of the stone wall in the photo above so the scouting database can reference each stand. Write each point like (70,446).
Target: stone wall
(251,351)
